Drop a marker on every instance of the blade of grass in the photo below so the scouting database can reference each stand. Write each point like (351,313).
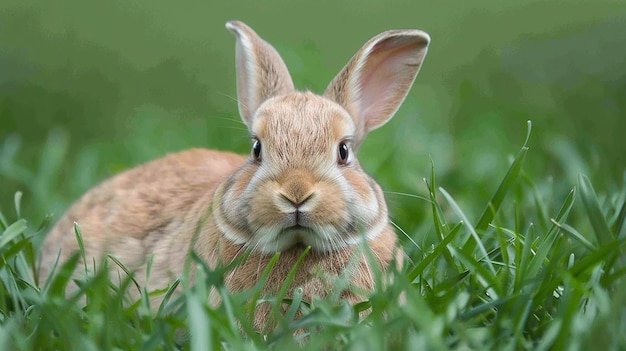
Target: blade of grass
(570,305)
(62,277)
(3,221)
(487,278)
(550,336)
(575,234)
(488,306)
(509,179)
(523,252)
(441,246)
(540,208)
(81,245)
(12,232)
(586,263)
(280,296)
(128,272)
(530,265)
(8,168)
(17,200)
(620,228)
(298,293)
(596,217)
(613,277)
(452,282)
(566,208)
(472,230)
(542,254)
(168,295)
(441,228)
(200,325)
(232,314)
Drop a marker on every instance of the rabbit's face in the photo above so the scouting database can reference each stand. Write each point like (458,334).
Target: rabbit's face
(303,184)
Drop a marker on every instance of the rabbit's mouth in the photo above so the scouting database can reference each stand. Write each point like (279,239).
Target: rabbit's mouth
(297,220)
(297,230)
(324,239)
(299,235)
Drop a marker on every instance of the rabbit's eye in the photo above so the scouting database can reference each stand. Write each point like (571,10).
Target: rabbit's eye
(256,149)
(343,153)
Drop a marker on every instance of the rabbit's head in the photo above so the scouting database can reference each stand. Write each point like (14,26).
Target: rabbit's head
(303,184)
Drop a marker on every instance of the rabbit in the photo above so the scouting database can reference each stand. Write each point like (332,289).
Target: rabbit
(301,185)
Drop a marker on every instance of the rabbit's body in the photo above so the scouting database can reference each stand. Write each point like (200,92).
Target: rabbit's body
(301,186)
(137,214)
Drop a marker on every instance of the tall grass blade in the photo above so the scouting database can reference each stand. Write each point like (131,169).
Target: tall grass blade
(596,217)
(620,228)
(62,277)
(505,185)
(200,324)
(430,258)
(126,270)
(471,229)
(575,234)
(280,296)
(3,221)
(12,232)
(81,245)
(17,200)
(441,228)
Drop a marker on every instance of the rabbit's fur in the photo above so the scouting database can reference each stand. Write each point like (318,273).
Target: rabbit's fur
(300,186)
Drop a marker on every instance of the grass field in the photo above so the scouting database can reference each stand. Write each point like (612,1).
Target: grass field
(515,230)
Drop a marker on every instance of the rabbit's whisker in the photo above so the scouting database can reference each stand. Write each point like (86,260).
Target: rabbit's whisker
(409,195)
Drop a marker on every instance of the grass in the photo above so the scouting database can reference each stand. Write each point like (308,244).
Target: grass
(529,272)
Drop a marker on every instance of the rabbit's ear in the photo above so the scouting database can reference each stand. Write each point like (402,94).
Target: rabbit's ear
(261,72)
(376,80)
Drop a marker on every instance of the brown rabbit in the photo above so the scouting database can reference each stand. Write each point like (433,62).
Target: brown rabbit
(300,186)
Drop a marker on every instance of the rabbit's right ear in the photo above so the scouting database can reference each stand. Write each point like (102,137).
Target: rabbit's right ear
(376,80)
(261,72)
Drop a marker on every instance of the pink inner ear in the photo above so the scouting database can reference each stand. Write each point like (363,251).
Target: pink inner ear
(386,77)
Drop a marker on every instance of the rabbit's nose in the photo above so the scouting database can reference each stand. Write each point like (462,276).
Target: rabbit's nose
(296,202)
(297,191)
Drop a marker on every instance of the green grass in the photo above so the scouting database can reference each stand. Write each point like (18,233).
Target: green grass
(510,248)
(529,272)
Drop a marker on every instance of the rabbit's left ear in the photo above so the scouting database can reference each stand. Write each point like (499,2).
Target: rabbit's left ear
(374,83)
(261,72)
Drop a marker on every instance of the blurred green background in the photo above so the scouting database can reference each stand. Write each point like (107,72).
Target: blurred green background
(89,88)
